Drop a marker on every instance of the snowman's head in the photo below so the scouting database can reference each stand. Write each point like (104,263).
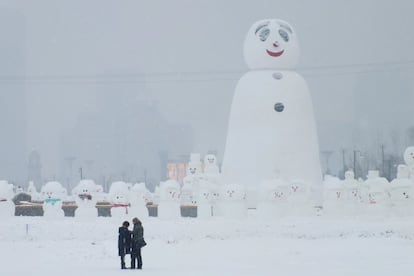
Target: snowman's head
(349,175)
(271,44)
(409,156)
(210,159)
(53,190)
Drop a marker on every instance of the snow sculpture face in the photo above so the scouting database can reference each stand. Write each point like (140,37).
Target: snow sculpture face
(86,190)
(140,193)
(204,196)
(53,190)
(274,190)
(118,192)
(210,160)
(170,191)
(298,188)
(271,44)
(193,169)
(409,156)
(233,192)
(401,194)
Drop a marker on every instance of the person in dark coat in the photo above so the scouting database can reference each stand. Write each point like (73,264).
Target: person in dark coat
(124,242)
(137,243)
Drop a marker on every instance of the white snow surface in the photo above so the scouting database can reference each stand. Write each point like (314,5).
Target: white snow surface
(218,246)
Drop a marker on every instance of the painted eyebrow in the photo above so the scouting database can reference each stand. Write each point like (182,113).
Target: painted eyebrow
(286,27)
(261,26)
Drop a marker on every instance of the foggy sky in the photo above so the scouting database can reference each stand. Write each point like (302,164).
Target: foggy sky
(186,57)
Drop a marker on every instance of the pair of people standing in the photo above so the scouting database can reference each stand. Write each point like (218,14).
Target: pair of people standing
(131,242)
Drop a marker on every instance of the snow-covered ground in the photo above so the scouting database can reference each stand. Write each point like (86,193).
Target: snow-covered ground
(291,246)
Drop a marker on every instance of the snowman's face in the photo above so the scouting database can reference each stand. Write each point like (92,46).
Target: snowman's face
(409,156)
(297,188)
(210,159)
(192,170)
(233,193)
(376,197)
(119,199)
(170,193)
(271,44)
(401,195)
(53,190)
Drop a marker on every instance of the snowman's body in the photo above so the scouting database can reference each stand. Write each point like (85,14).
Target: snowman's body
(271,126)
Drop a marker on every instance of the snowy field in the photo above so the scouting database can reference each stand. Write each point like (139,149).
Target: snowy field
(294,246)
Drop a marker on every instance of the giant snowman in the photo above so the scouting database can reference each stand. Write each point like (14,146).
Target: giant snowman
(271,128)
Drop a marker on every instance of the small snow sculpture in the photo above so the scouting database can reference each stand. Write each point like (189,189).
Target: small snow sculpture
(7,207)
(139,198)
(169,206)
(273,198)
(119,198)
(402,193)
(378,198)
(234,203)
(86,194)
(53,195)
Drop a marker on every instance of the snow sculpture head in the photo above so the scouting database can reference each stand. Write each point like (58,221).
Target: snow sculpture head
(409,156)
(140,193)
(210,160)
(119,192)
(53,190)
(271,44)
(275,190)
(86,190)
(170,191)
(204,196)
(349,175)
(194,166)
(233,192)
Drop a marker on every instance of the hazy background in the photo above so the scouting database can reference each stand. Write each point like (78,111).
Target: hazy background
(119,88)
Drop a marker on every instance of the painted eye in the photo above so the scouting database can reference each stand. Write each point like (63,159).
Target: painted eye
(284,35)
(279,107)
(264,34)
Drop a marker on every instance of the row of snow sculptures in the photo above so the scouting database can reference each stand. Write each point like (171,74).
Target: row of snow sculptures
(87,193)
(169,205)
(53,195)
(7,207)
(271,124)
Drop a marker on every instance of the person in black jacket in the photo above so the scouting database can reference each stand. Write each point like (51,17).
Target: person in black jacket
(137,243)
(124,242)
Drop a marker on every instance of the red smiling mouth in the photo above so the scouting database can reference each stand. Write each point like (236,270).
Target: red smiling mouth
(275,54)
